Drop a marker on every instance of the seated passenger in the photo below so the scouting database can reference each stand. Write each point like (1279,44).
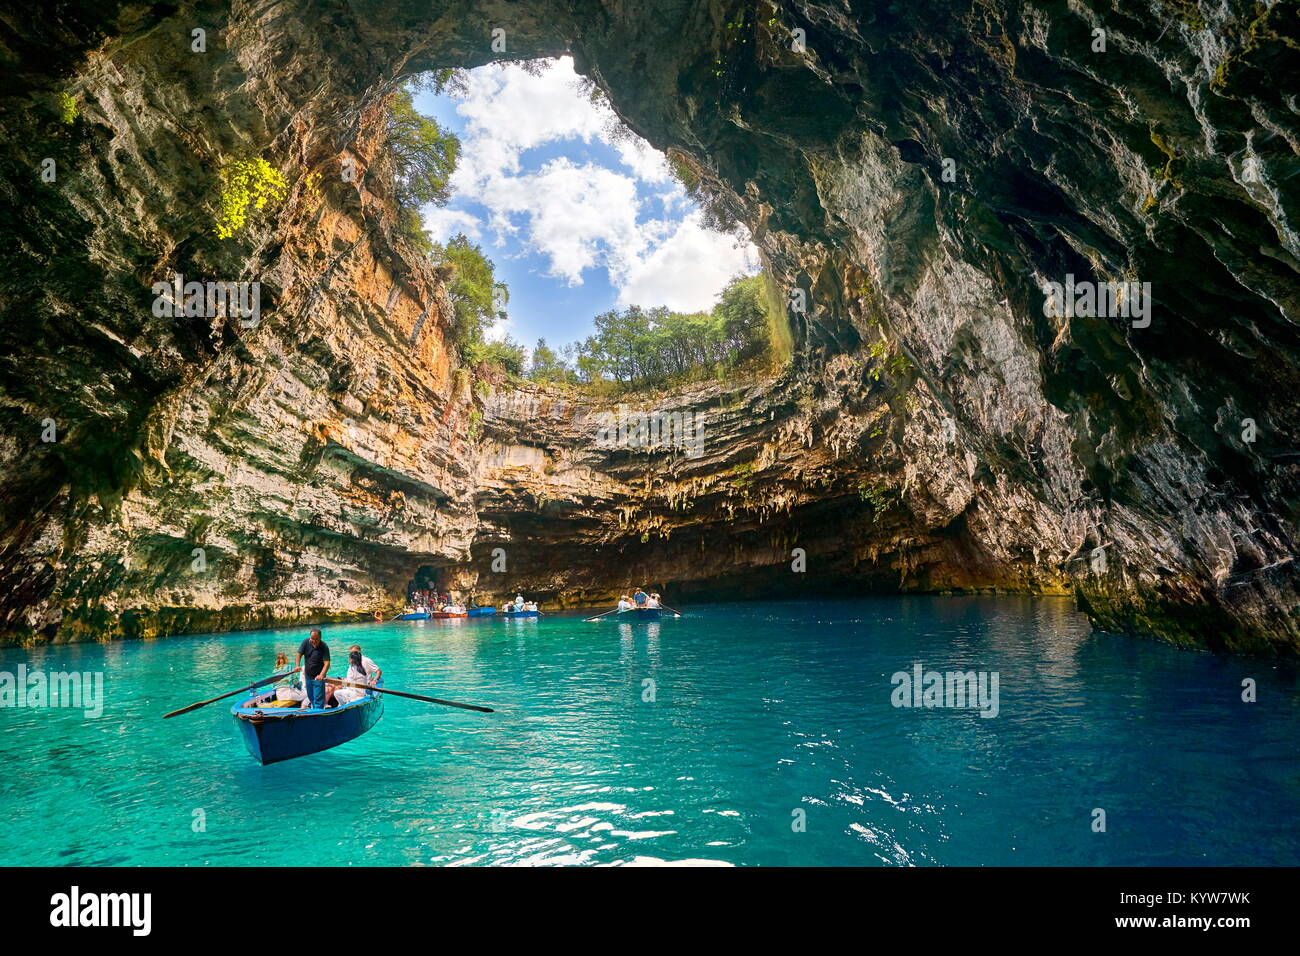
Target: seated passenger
(290,687)
(361,670)
(624,604)
(654,601)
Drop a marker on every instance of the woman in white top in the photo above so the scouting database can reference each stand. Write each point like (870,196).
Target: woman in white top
(653,602)
(624,604)
(361,670)
(287,688)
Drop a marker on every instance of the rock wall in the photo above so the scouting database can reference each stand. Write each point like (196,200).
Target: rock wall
(919,171)
(209,475)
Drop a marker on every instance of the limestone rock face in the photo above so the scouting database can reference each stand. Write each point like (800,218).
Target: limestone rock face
(919,172)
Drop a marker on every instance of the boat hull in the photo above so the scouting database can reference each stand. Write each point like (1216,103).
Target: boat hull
(415,616)
(520,613)
(273,734)
(636,614)
(482,611)
(443,614)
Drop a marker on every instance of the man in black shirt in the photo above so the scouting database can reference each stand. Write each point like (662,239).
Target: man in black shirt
(317,653)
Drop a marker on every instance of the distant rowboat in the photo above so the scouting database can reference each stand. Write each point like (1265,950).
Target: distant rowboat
(441,614)
(636,614)
(413,616)
(520,613)
(482,611)
(646,613)
(272,734)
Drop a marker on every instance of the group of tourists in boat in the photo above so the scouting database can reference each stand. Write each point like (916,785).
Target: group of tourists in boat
(639,599)
(304,710)
(307,687)
(426,604)
(519,606)
(431,602)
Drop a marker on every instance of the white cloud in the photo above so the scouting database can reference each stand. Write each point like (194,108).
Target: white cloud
(688,269)
(508,111)
(443,223)
(500,330)
(582,215)
(647,163)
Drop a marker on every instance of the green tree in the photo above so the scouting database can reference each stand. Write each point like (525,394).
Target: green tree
(640,347)
(506,353)
(421,158)
(742,320)
(477,298)
(705,192)
(424,155)
(547,365)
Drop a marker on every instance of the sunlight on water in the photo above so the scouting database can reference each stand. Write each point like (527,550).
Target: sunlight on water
(699,741)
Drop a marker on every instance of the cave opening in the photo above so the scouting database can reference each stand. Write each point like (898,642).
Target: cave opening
(422,585)
(612,265)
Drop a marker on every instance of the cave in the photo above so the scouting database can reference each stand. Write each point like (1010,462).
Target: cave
(918,172)
(424,579)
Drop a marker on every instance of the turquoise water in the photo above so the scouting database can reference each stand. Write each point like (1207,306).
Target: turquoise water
(758,711)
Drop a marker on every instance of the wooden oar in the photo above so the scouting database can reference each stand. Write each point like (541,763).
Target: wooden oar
(204,703)
(599,616)
(402,693)
(667,608)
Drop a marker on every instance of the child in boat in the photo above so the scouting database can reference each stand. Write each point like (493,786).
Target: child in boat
(361,670)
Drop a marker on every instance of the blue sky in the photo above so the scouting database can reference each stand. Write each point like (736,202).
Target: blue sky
(576,220)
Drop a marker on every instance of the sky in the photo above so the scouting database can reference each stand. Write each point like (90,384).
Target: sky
(576,220)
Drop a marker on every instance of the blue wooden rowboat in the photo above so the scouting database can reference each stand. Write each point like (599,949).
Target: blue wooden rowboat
(635,614)
(272,734)
(413,616)
(520,613)
(481,611)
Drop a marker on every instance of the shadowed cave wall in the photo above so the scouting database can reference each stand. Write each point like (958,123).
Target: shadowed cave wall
(936,430)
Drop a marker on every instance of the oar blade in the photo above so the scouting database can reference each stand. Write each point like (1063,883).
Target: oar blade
(402,693)
(241,690)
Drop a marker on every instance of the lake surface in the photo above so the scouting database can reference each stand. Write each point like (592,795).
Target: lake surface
(741,734)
